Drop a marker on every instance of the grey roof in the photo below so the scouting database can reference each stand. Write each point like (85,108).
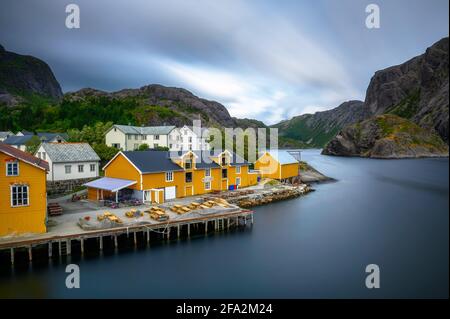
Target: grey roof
(5,134)
(70,152)
(49,136)
(18,140)
(147,130)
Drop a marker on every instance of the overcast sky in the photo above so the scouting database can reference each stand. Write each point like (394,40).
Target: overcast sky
(268,60)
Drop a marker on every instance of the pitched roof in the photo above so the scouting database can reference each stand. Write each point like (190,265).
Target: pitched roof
(5,134)
(28,158)
(18,140)
(70,152)
(49,136)
(282,156)
(152,161)
(147,130)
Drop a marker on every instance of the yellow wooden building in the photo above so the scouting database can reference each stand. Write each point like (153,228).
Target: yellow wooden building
(23,198)
(156,176)
(277,164)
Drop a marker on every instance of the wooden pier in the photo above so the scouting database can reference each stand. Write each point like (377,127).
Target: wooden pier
(62,245)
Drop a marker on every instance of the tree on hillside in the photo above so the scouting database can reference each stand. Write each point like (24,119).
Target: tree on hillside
(33,144)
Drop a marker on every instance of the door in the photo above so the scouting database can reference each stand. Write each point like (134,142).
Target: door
(170,192)
(189,191)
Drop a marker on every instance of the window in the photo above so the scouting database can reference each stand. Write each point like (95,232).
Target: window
(190,147)
(189,177)
(12,169)
(19,195)
(155,145)
(169,176)
(38,154)
(80,168)
(190,139)
(115,129)
(238,181)
(68,169)
(224,173)
(129,136)
(170,145)
(238,169)
(188,164)
(144,137)
(136,136)
(92,166)
(156,137)
(224,160)
(207,186)
(116,145)
(208,172)
(44,156)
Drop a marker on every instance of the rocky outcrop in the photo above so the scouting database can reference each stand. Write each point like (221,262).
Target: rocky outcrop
(386,136)
(416,90)
(22,75)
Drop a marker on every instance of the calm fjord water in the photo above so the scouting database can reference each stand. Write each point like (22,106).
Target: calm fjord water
(393,213)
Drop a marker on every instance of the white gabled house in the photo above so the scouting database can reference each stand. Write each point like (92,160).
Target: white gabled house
(69,161)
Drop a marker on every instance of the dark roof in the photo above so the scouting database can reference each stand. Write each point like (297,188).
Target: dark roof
(160,161)
(18,140)
(152,161)
(14,152)
(49,136)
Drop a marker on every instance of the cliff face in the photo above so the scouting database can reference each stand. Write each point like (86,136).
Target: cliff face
(22,75)
(386,136)
(416,90)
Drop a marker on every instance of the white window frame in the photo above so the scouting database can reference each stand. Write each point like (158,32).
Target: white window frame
(21,189)
(207,188)
(238,169)
(92,167)
(68,171)
(80,168)
(169,176)
(238,179)
(208,172)
(11,163)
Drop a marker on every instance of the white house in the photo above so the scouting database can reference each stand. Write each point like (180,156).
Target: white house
(69,160)
(191,140)
(129,138)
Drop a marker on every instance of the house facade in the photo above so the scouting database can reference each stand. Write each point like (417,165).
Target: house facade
(23,201)
(130,138)
(155,176)
(277,164)
(69,161)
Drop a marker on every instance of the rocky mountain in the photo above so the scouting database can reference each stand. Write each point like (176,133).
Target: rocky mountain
(22,76)
(387,136)
(158,105)
(416,90)
(315,130)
